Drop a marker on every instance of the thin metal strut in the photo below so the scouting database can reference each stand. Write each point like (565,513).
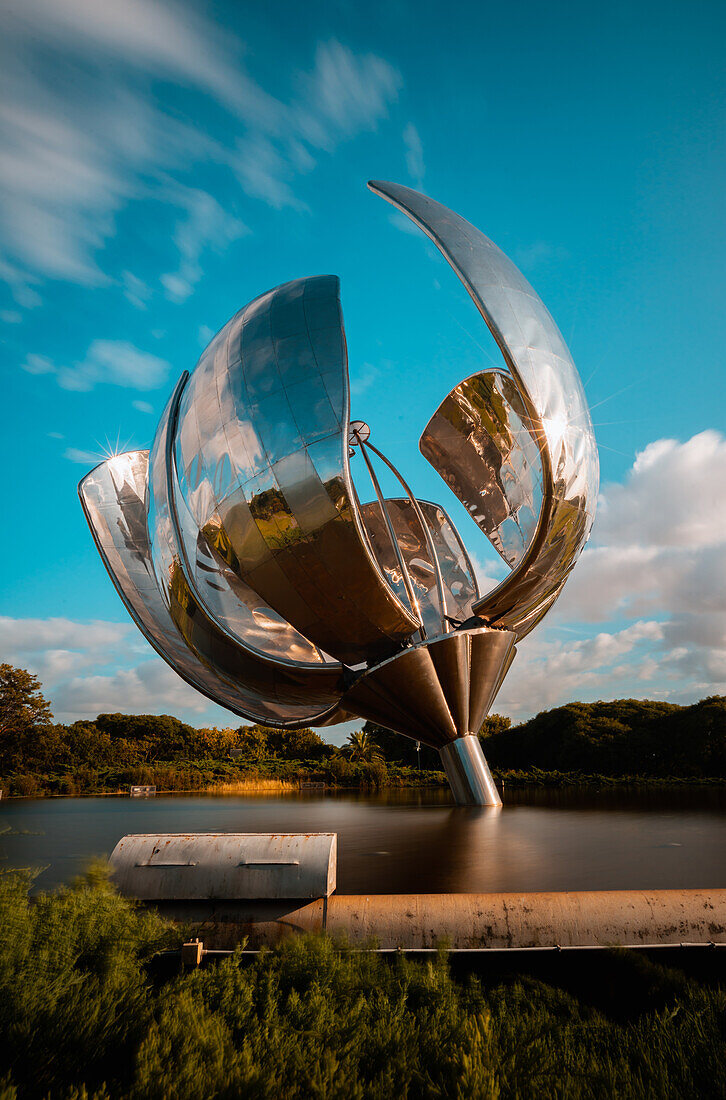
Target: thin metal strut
(427,535)
(406,576)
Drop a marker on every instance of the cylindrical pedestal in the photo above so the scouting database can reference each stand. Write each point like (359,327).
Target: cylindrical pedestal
(468,773)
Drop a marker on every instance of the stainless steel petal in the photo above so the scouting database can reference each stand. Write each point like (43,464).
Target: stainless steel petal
(270,398)
(483,444)
(552,396)
(257,677)
(114,499)
(457,575)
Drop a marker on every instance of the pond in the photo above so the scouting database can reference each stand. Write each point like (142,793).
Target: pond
(414,841)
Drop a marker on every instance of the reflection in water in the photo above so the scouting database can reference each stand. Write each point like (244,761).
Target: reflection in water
(416,841)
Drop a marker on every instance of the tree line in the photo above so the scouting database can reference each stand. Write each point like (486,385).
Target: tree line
(627,737)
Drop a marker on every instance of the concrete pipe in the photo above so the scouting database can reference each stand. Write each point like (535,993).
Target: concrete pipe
(598,918)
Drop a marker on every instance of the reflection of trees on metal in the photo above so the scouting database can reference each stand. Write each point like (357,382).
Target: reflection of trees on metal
(240,547)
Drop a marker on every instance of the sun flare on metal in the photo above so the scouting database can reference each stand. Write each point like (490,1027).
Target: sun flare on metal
(240,547)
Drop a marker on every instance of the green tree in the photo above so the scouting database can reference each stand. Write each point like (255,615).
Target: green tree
(397,748)
(494,723)
(23,711)
(152,737)
(304,744)
(362,747)
(21,703)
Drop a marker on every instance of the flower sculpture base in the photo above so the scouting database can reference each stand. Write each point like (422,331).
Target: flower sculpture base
(468,773)
(439,692)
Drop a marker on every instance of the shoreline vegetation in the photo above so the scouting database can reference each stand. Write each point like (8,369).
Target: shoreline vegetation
(90,1008)
(30,786)
(620,744)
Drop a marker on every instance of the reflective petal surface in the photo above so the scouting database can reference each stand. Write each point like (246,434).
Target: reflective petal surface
(554,402)
(457,574)
(482,442)
(261,460)
(115,497)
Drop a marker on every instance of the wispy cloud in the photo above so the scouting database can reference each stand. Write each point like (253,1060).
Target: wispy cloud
(343,95)
(38,364)
(85,458)
(135,290)
(205,225)
(77,152)
(414,155)
(111,362)
(362,378)
(538,254)
(143,406)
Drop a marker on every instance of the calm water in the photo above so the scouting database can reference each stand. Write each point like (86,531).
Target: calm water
(414,841)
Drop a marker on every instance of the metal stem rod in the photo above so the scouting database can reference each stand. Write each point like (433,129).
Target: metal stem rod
(394,541)
(427,535)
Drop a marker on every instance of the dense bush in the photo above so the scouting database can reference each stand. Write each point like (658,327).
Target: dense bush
(81,1016)
(625,737)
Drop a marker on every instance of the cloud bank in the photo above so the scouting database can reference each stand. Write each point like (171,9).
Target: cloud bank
(653,580)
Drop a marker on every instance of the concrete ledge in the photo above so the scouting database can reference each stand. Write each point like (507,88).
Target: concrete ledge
(597,918)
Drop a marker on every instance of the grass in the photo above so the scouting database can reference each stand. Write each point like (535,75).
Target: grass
(82,1017)
(259,785)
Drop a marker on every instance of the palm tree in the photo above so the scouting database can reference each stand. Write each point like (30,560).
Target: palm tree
(362,747)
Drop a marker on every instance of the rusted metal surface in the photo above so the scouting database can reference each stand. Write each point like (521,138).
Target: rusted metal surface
(601,918)
(203,866)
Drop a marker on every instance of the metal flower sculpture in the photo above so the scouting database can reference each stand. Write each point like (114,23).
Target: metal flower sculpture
(241,550)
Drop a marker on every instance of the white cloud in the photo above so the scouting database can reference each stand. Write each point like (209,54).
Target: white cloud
(10,316)
(149,688)
(657,563)
(205,225)
(414,155)
(362,378)
(344,94)
(38,364)
(90,668)
(85,458)
(115,363)
(78,150)
(675,495)
(143,406)
(405,225)
(265,173)
(135,290)
(538,253)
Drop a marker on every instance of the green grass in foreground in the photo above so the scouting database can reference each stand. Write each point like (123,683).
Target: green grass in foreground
(80,1017)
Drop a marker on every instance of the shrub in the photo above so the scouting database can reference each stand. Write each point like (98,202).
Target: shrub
(82,1017)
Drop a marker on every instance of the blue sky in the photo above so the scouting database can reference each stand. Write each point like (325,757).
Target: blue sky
(165,162)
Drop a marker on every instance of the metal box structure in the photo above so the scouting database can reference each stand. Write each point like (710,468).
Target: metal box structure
(225,866)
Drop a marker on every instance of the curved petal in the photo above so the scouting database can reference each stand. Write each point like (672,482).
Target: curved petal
(268,690)
(457,575)
(552,394)
(481,441)
(262,462)
(113,496)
